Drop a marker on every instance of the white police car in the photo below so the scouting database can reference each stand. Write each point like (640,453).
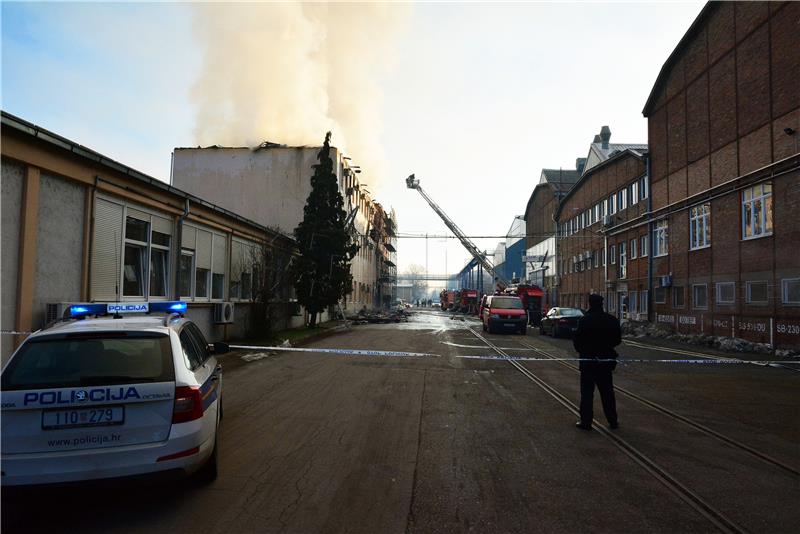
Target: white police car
(107,397)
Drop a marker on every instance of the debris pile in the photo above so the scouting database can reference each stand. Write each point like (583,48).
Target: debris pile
(635,329)
(380,316)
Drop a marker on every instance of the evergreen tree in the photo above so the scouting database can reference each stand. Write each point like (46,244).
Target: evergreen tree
(321,274)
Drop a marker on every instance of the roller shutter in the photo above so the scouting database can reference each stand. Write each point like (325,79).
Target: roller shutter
(106,251)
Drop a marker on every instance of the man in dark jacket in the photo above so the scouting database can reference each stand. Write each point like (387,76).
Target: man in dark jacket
(597,335)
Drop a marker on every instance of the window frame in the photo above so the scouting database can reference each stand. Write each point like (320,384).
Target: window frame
(695,305)
(700,226)
(661,236)
(766,212)
(718,293)
(678,290)
(643,246)
(749,293)
(632,248)
(785,292)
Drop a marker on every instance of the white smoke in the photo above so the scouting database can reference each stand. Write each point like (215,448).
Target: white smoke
(289,72)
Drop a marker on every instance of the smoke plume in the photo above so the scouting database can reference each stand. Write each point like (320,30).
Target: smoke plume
(289,72)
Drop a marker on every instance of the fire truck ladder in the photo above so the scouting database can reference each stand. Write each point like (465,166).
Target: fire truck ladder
(413,183)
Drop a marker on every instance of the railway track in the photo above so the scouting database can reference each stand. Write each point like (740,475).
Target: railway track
(720,520)
(678,417)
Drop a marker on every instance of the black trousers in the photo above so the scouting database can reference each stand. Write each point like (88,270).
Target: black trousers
(600,375)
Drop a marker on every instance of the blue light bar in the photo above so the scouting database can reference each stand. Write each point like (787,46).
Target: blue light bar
(82,310)
(169,307)
(77,311)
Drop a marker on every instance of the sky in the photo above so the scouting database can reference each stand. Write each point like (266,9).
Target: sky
(473,98)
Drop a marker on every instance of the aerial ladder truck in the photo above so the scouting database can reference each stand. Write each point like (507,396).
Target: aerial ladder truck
(413,183)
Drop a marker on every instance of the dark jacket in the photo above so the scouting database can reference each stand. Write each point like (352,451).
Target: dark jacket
(597,334)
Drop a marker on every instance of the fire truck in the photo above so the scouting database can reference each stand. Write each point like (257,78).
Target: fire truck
(532,297)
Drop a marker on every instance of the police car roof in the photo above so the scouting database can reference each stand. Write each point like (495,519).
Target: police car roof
(139,323)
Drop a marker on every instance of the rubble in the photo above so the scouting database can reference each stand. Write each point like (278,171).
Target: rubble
(379,316)
(636,330)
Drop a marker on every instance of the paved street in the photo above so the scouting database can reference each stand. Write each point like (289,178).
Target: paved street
(335,443)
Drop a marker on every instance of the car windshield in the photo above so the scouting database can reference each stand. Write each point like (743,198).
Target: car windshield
(87,360)
(507,303)
(570,312)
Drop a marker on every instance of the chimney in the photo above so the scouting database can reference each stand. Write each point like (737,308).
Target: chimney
(580,163)
(605,135)
(596,139)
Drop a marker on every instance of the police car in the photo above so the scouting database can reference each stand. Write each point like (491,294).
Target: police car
(107,394)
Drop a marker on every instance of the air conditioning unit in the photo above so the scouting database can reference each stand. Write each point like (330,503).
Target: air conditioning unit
(55,311)
(665,281)
(223,312)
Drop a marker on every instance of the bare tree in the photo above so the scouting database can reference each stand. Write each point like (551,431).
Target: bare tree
(271,288)
(419,287)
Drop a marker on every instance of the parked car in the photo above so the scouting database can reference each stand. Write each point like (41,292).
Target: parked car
(102,398)
(502,312)
(560,321)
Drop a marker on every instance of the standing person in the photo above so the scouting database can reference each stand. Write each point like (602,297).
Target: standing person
(597,335)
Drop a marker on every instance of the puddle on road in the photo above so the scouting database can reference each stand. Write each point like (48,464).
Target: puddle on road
(437,322)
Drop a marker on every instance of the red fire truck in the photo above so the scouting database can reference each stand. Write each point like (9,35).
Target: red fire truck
(531,296)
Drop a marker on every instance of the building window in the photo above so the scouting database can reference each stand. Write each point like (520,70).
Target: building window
(632,302)
(643,187)
(643,247)
(726,292)
(185,272)
(612,204)
(677,297)
(757,211)
(643,301)
(700,296)
(634,194)
(623,264)
(613,254)
(134,268)
(660,295)
(757,292)
(790,291)
(633,249)
(661,238)
(596,257)
(622,200)
(700,226)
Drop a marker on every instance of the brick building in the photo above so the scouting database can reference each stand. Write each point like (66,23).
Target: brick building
(540,228)
(723,119)
(601,235)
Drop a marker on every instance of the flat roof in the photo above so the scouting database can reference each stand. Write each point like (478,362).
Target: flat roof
(53,139)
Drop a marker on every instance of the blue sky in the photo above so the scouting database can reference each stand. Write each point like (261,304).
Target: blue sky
(473,98)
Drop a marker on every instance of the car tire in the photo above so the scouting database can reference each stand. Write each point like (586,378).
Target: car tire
(208,473)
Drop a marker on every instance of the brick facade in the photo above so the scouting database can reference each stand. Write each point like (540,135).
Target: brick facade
(716,120)
(584,267)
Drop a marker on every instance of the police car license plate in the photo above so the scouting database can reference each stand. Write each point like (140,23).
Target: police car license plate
(99,416)
(509,324)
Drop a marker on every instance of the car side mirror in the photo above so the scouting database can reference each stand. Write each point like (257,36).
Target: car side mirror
(221,348)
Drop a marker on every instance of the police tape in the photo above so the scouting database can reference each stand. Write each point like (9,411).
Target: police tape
(633,360)
(349,352)
(14,333)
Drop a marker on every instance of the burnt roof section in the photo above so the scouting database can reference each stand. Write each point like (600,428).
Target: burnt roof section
(27,128)
(663,74)
(615,157)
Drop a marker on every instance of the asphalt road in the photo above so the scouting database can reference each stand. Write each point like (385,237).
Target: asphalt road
(338,443)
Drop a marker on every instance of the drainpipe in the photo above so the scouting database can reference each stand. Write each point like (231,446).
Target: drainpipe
(650,296)
(179,240)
